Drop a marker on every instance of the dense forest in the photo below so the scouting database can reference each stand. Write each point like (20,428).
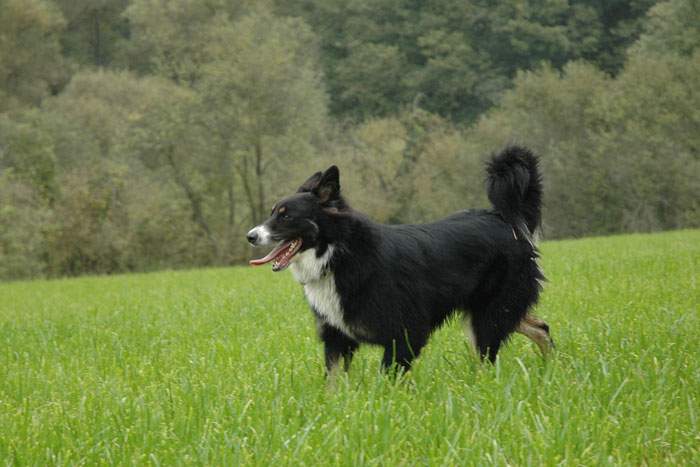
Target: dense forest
(147,134)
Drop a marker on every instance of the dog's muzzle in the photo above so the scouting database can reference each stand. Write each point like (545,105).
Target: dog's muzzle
(259,235)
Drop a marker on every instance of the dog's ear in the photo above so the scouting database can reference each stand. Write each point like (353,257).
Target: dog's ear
(311,184)
(328,188)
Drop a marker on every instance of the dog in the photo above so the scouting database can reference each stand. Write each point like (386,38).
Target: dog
(393,285)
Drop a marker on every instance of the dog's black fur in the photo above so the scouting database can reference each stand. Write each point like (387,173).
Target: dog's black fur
(397,283)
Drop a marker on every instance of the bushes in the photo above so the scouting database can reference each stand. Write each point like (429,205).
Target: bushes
(23,216)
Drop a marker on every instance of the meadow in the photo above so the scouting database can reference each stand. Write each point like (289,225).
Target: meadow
(222,366)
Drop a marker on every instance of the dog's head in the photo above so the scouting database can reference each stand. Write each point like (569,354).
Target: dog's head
(296,221)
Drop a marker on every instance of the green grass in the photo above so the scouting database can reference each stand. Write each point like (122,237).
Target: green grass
(223,367)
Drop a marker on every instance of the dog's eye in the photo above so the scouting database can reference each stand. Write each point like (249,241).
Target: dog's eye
(286,217)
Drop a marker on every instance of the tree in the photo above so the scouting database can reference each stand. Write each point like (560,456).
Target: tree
(415,167)
(23,216)
(167,138)
(91,116)
(652,124)
(248,95)
(607,28)
(264,83)
(671,27)
(372,77)
(95,32)
(107,211)
(554,114)
(619,154)
(31,65)
(27,152)
(456,57)
(170,38)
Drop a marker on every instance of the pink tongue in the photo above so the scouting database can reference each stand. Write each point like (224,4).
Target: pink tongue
(271,255)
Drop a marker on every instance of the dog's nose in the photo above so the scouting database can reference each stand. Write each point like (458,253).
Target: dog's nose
(252,237)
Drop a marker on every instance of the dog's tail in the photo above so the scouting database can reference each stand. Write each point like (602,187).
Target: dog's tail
(514,187)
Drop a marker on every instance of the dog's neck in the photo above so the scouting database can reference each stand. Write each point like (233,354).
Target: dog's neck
(308,267)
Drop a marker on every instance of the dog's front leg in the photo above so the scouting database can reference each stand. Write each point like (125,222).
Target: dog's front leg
(400,353)
(337,347)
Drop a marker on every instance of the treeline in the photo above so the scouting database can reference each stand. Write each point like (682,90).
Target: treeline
(146,134)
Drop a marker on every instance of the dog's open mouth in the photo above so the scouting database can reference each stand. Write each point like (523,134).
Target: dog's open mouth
(282,254)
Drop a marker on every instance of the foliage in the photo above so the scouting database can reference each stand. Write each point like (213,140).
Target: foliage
(457,57)
(144,134)
(411,160)
(171,37)
(96,33)
(264,77)
(27,153)
(619,154)
(23,248)
(673,27)
(30,56)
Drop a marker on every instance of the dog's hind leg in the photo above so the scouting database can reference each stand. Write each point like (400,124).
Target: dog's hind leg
(338,348)
(502,303)
(492,325)
(538,331)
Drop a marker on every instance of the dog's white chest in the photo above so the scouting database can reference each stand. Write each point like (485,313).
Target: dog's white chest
(319,288)
(323,297)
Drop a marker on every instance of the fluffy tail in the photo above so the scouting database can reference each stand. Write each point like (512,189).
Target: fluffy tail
(514,187)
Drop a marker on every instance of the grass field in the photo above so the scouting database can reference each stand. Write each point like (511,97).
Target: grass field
(223,367)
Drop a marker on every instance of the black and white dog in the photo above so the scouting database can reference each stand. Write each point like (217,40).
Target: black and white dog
(392,285)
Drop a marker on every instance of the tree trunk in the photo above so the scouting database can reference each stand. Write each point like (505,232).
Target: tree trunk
(261,183)
(231,204)
(195,203)
(231,221)
(96,40)
(402,180)
(243,172)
